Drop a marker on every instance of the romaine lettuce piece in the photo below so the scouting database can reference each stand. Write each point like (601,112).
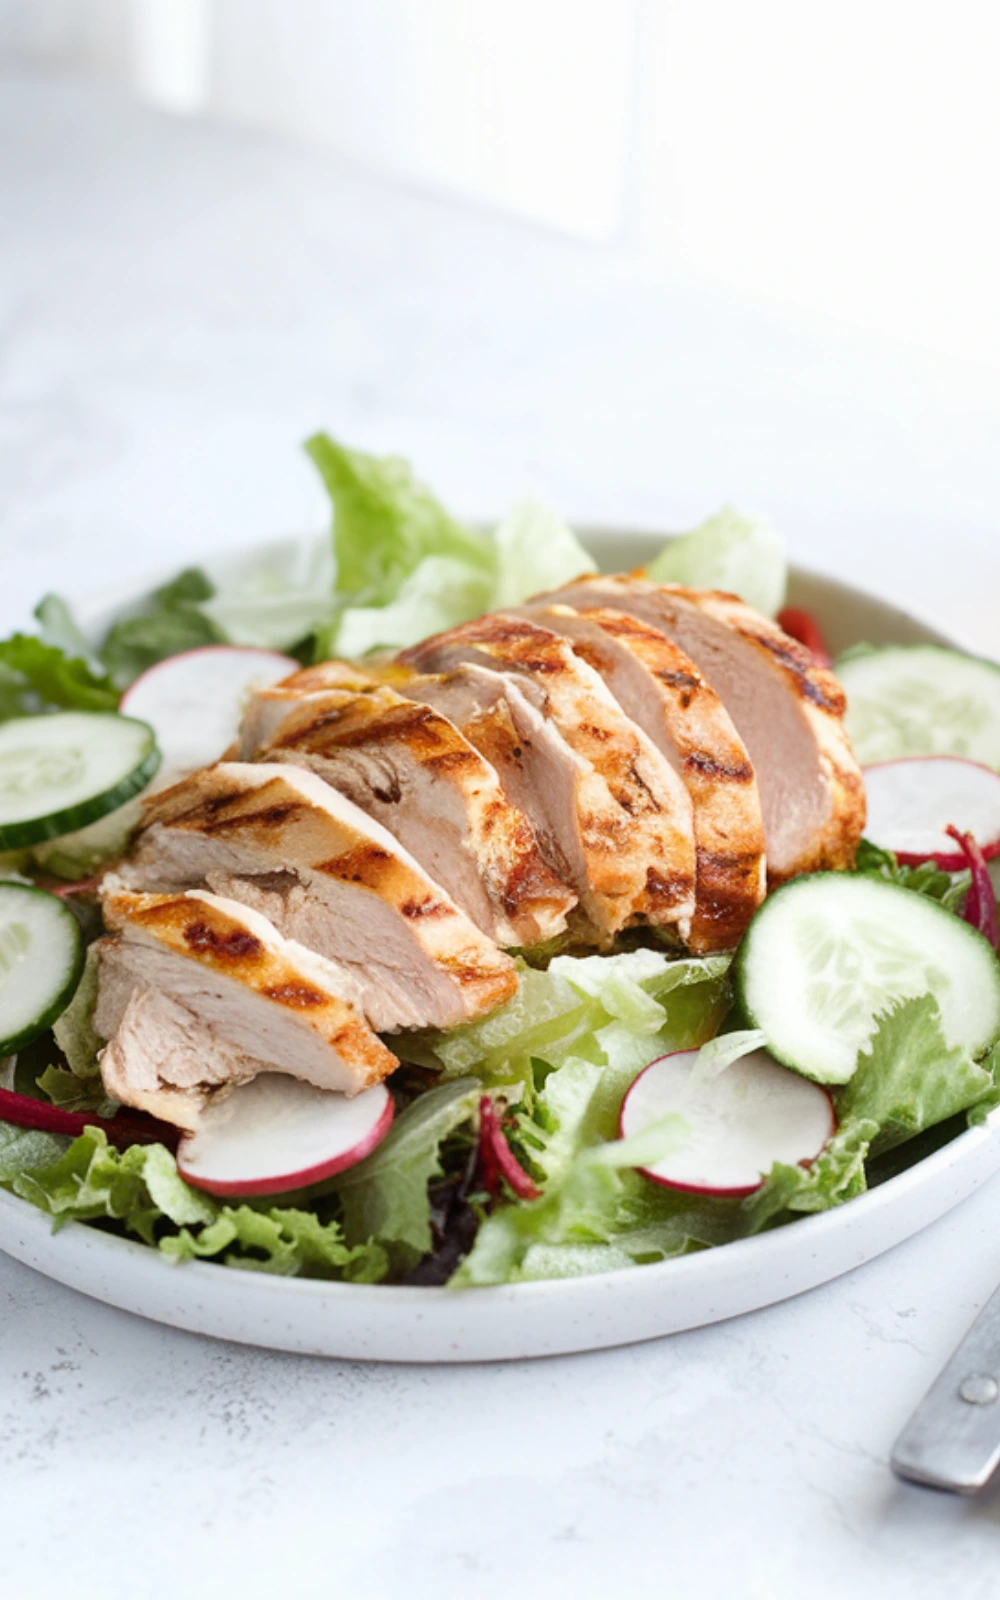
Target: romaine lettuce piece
(536,550)
(385,522)
(281,599)
(440,593)
(732,551)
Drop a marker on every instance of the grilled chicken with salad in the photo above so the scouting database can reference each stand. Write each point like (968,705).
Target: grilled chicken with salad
(430,908)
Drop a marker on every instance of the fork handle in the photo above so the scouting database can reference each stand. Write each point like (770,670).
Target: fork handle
(952,1440)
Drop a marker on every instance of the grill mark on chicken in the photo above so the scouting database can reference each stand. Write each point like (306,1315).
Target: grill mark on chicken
(813,683)
(300,996)
(630,808)
(236,946)
(731,771)
(659,688)
(414,909)
(411,769)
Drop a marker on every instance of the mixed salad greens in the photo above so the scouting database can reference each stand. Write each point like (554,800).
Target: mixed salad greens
(545,1076)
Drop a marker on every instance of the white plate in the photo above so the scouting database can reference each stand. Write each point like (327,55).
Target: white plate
(369,1322)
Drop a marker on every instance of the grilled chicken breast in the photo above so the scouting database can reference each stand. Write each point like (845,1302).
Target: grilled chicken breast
(279,839)
(198,993)
(663,692)
(636,830)
(411,769)
(787,710)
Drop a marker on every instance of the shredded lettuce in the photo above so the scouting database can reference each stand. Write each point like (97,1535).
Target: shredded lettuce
(536,551)
(619,1010)
(732,551)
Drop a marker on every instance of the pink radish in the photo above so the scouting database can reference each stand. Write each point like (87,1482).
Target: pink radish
(277,1133)
(194,701)
(125,1128)
(912,803)
(739,1121)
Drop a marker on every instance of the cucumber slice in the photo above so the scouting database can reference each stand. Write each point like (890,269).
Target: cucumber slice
(61,772)
(41,959)
(921,700)
(825,955)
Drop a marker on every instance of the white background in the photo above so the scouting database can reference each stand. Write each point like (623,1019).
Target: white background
(181,302)
(839,158)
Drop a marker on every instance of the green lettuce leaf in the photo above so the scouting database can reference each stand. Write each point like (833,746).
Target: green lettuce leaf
(141,1190)
(909,1079)
(74,1030)
(385,1197)
(170,621)
(281,600)
(92,1181)
(620,1010)
(440,593)
(58,626)
(837,1175)
(25,1150)
(536,551)
(35,676)
(950,888)
(731,551)
(280,1240)
(594,1214)
(385,522)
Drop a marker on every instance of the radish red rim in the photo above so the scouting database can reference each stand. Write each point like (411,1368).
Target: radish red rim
(210,1145)
(948,860)
(752,1114)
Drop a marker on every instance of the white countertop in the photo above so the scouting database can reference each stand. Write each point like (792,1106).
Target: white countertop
(179,307)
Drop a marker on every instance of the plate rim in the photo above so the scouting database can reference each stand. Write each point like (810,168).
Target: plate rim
(704,1267)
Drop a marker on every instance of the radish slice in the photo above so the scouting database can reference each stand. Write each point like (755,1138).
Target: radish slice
(125,1128)
(194,701)
(277,1133)
(912,803)
(741,1121)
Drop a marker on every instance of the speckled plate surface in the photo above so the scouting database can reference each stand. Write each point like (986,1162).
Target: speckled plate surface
(371,1322)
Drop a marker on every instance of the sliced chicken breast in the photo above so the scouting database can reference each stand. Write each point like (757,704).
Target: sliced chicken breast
(787,710)
(199,993)
(663,692)
(636,830)
(411,769)
(281,840)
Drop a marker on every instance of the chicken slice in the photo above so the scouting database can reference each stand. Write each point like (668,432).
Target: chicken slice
(198,993)
(411,769)
(279,839)
(636,831)
(787,710)
(663,692)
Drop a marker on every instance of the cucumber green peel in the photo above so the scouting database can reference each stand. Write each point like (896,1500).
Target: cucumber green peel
(41,959)
(827,955)
(62,772)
